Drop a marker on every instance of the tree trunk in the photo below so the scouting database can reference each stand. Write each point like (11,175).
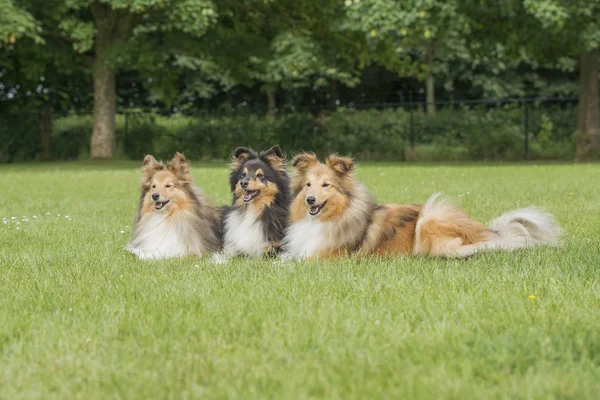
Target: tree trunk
(271,104)
(588,136)
(430,93)
(105,106)
(109,28)
(46,130)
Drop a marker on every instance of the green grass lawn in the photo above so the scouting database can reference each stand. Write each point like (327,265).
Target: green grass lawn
(81,318)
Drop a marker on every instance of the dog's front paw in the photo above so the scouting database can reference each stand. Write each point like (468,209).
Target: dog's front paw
(283,258)
(219,258)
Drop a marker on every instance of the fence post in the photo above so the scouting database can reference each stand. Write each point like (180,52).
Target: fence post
(412,122)
(526,129)
(126,123)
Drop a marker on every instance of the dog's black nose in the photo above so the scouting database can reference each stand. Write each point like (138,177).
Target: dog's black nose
(310,200)
(155,196)
(244,184)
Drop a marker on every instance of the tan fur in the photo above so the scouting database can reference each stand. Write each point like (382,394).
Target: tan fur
(236,162)
(277,163)
(444,230)
(174,184)
(352,222)
(268,192)
(391,231)
(301,163)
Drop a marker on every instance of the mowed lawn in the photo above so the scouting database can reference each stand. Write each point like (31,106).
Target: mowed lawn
(81,318)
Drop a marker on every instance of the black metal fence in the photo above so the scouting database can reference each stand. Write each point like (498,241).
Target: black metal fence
(483,129)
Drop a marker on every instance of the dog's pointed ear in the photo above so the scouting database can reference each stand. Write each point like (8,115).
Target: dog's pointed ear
(180,166)
(275,158)
(341,165)
(304,161)
(240,156)
(151,166)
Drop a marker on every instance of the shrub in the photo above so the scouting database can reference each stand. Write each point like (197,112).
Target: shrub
(452,134)
(19,137)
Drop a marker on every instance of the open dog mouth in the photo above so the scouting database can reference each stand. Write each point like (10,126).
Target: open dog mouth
(249,195)
(159,205)
(314,210)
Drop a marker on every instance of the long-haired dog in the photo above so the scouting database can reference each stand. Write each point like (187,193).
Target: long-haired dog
(333,214)
(256,222)
(174,218)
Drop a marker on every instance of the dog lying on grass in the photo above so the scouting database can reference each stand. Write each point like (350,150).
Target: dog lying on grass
(174,218)
(333,214)
(255,223)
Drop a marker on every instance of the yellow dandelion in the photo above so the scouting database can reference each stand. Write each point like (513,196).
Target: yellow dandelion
(532,297)
(572,193)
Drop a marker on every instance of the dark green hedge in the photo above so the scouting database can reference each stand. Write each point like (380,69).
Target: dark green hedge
(450,135)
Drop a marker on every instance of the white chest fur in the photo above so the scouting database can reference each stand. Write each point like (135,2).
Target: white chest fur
(304,238)
(244,234)
(160,237)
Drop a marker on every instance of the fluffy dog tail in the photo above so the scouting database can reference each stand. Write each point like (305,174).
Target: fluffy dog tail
(525,227)
(446,231)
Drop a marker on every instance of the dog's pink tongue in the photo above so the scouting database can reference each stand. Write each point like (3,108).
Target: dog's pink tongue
(314,209)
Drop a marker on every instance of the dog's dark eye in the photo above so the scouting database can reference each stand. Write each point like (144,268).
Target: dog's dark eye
(244,175)
(169,186)
(260,176)
(325,184)
(153,186)
(308,184)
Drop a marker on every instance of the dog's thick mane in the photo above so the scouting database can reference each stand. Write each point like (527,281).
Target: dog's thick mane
(348,232)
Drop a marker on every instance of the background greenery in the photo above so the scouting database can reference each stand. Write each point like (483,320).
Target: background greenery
(460,134)
(81,318)
(210,59)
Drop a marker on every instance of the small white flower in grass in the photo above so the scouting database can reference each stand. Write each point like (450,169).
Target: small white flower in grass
(196,266)
(13,218)
(122,231)
(5,222)
(47,213)
(70,309)
(18,227)
(67,217)
(35,217)
(377,322)
(59,215)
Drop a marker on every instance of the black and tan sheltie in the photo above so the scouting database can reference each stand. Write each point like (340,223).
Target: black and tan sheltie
(333,214)
(256,221)
(174,218)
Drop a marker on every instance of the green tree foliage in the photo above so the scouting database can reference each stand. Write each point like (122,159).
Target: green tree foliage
(100,32)
(17,22)
(573,29)
(413,38)
(284,45)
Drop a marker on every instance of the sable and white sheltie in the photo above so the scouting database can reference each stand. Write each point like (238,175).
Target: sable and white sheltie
(174,218)
(333,214)
(255,224)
